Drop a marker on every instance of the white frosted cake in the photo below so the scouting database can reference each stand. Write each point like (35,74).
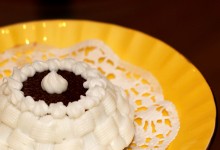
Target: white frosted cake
(63,105)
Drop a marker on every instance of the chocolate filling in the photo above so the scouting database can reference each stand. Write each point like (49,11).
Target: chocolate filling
(32,87)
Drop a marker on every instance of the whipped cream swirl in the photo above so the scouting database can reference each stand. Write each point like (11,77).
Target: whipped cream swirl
(54,83)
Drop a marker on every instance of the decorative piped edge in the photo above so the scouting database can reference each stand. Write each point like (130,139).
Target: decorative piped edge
(95,82)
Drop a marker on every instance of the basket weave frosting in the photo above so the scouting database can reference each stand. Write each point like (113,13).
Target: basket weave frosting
(102,119)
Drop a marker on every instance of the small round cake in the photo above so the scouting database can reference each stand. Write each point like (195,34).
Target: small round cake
(63,105)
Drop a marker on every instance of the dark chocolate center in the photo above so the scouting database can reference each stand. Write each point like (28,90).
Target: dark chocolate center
(32,87)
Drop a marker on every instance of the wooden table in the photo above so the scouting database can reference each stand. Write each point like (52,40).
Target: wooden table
(190,26)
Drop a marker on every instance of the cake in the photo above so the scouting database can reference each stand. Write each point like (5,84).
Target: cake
(63,104)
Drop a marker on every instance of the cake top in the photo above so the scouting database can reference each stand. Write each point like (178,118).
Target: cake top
(56,87)
(52,87)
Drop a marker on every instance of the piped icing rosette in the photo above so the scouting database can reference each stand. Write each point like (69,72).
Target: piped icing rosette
(38,110)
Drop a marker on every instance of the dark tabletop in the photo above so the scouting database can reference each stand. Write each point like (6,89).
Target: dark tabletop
(190,26)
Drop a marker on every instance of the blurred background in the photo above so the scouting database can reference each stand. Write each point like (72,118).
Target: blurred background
(190,26)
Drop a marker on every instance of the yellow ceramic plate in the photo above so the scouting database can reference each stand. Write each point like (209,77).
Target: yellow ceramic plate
(182,83)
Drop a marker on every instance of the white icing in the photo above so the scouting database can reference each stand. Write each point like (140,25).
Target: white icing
(16,75)
(36,123)
(95,82)
(14,84)
(3,102)
(74,109)
(89,102)
(66,64)
(96,91)
(40,108)
(40,66)
(5,89)
(23,77)
(16,96)
(23,106)
(53,64)
(57,110)
(28,71)
(29,102)
(10,116)
(44,146)
(93,73)
(54,83)
(79,68)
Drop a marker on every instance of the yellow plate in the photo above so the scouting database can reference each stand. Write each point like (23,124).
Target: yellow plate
(182,83)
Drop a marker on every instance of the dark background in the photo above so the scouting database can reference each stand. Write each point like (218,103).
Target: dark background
(190,26)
